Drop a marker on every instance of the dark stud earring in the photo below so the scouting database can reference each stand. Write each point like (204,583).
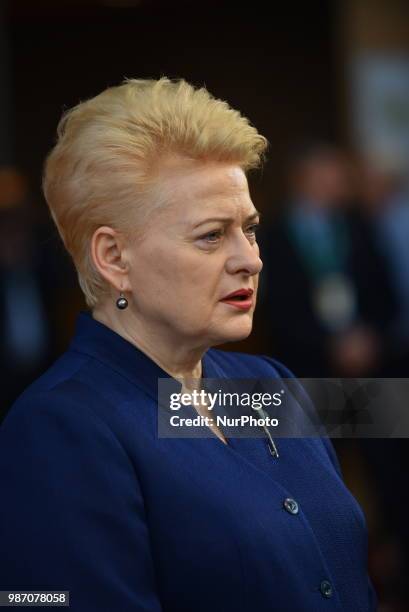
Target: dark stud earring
(122,302)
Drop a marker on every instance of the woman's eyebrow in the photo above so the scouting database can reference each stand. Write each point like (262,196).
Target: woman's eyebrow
(226,220)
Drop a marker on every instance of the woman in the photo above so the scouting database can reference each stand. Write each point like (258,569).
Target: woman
(147,187)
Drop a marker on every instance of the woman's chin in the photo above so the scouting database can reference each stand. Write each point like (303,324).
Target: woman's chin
(239,330)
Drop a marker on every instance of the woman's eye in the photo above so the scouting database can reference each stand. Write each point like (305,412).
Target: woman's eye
(215,236)
(212,236)
(252,229)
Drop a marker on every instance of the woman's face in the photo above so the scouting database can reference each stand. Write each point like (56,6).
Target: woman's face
(197,250)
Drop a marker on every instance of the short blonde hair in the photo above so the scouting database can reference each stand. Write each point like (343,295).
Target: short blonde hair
(101,169)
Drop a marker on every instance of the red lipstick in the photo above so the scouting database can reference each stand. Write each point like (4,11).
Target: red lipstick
(241,299)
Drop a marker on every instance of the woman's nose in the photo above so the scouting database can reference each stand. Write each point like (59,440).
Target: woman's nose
(244,257)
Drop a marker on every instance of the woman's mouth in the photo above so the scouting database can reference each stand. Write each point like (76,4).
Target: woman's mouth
(241,299)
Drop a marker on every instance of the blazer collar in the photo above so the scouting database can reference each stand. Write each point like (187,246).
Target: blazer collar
(100,342)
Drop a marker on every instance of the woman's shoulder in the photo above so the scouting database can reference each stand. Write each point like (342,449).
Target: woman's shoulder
(63,393)
(64,401)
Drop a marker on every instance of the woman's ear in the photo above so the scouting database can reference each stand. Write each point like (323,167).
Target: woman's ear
(109,257)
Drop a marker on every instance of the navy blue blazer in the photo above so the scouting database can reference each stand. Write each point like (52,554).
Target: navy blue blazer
(94,502)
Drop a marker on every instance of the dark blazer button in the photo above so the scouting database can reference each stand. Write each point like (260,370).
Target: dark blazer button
(290,505)
(326,589)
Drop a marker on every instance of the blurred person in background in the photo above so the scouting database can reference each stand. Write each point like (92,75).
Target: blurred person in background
(328,301)
(25,291)
(384,201)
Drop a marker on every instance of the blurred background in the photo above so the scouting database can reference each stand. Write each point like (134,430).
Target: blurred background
(327,82)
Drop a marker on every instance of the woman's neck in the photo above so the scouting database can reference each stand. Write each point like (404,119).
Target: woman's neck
(172,355)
